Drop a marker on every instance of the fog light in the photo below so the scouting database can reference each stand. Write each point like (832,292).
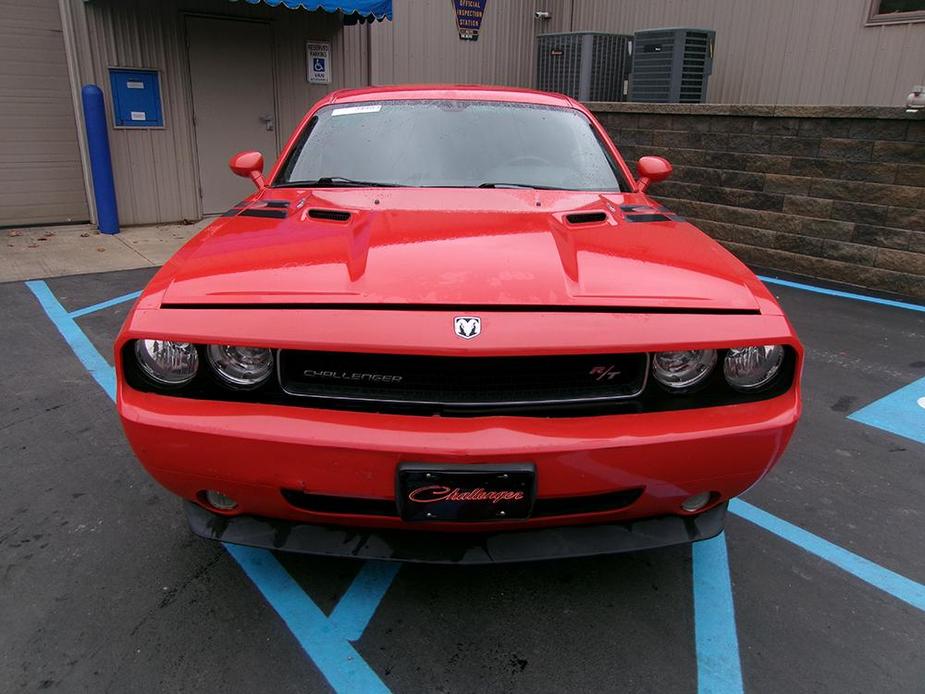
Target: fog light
(697,501)
(219,500)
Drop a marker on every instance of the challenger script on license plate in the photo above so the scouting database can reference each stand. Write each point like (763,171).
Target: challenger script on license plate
(474,493)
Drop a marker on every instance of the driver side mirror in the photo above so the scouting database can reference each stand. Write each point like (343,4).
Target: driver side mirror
(249,165)
(651,170)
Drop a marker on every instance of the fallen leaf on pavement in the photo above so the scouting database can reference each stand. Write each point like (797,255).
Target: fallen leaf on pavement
(15,233)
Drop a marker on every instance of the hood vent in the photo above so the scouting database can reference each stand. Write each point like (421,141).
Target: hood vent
(329,215)
(586,218)
(647,218)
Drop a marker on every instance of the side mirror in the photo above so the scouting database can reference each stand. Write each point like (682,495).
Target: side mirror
(249,165)
(651,170)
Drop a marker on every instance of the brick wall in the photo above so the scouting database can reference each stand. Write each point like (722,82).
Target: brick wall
(830,192)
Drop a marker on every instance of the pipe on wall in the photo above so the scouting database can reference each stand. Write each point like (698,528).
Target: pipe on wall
(73,69)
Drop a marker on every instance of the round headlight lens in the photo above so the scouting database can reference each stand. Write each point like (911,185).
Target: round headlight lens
(684,369)
(748,368)
(241,367)
(167,363)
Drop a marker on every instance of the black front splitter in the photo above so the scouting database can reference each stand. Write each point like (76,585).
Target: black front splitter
(456,548)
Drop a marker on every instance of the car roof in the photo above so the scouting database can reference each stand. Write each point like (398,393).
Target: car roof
(456,92)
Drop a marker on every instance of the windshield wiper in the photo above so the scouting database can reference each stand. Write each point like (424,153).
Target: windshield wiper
(517,185)
(336,182)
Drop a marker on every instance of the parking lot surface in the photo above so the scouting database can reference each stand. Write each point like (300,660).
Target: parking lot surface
(816,585)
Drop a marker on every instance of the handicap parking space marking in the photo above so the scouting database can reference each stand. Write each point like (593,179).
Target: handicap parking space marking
(100,369)
(327,640)
(104,304)
(719,668)
(324,639)
(901,412)
(356,607)
(898,586)
(844,295)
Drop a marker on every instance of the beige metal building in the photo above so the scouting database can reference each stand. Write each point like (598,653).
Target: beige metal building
(41,175)
(234,75)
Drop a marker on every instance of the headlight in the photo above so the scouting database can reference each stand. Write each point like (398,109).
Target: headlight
(748,368)
(241,367)
(167,363)
(685,369)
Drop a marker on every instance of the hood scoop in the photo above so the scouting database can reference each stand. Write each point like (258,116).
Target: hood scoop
(586,217)
(329,215)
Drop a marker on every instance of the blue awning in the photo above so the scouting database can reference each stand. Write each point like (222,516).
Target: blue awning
(354,10)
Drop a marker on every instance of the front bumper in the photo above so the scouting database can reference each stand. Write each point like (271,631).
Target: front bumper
(254,453)
(441,548)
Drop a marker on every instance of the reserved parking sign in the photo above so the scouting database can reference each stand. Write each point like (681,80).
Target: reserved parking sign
(318,54)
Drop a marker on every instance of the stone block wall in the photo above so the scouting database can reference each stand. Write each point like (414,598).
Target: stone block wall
(831,192)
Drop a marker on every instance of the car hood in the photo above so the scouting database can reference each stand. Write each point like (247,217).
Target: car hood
(455,247)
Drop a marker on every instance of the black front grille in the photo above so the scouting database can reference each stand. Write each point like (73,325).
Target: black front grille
(556,385)
(457,383)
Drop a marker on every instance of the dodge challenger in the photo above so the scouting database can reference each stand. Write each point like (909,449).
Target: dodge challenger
(450,325)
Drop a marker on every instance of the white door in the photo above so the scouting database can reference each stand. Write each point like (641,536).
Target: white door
(231,69)
(41,179)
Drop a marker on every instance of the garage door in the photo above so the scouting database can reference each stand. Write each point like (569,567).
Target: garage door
(41,180)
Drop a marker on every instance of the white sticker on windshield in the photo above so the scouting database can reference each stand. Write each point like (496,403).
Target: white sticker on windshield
(348,110)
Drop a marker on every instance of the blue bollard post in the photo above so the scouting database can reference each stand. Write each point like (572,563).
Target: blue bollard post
(104,189)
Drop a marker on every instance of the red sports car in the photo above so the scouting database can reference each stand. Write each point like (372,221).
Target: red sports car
(450,326)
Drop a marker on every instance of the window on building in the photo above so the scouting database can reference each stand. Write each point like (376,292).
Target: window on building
(896,11)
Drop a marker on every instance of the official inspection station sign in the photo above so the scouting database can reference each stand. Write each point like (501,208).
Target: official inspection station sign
(469,18)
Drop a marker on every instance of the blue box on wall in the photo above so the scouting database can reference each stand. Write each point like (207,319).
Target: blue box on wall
(136,98)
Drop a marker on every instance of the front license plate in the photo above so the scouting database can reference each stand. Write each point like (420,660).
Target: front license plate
(474,493)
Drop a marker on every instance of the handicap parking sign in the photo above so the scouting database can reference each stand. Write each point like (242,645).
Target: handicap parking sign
(318,54)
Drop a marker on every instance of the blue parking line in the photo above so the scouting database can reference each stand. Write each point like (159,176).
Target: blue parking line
(88,355)
(844,295)
(888,581)
(719,669)
(356,607)
(321,638)
(900,412)
(104,304)
(338,661)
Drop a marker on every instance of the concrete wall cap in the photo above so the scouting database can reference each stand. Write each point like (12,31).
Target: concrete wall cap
(757,110)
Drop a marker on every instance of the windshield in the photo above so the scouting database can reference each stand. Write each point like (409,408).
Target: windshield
(445,143)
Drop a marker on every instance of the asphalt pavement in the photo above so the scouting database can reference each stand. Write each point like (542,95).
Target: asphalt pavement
(102,587)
